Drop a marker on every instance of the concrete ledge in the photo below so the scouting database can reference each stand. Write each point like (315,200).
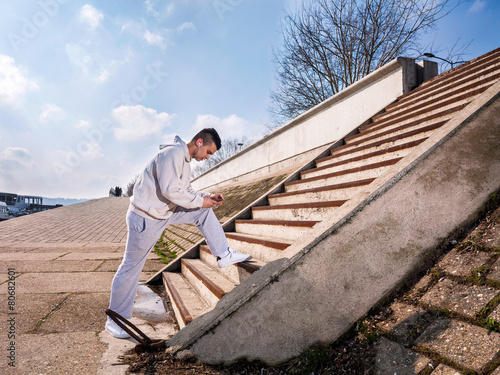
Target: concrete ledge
(360,256)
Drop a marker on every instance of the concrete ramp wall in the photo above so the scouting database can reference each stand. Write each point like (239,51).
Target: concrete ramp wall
(356,257)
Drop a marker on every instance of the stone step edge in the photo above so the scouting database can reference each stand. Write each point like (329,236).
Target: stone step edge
(344,185)
(176,298)
(214,288)
(445,78)
(436,91)
(351,147)
(249,267)
(435,109)
(409,133)
(400,147)
(294,206)
(362,168)
(259,240)
(477,64)
(283,223)
(382,130)
(413,111)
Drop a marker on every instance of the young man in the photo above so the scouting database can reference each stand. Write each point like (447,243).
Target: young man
(162,196)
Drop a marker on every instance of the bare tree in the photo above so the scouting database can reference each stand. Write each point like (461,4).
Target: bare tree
(229,147)
(330,44)
(130,186)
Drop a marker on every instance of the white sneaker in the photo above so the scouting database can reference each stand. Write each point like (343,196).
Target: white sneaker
(115,330)
(232,258)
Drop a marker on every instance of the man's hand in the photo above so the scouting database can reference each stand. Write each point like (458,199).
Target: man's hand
(212,200)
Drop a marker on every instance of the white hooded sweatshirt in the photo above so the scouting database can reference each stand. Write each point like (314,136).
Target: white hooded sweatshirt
(165,184)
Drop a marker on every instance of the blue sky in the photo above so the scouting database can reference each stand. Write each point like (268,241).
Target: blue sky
(88,89)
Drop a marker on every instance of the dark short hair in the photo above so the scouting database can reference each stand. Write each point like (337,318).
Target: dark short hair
(208,135)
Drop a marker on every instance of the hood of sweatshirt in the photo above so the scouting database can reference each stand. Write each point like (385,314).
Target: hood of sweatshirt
(178,141)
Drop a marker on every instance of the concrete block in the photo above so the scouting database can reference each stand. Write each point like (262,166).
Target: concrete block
(445,370)
(465,299)
(461,343)
(460,263)
(392,358)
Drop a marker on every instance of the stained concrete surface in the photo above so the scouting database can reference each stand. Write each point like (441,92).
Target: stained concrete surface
(64,261)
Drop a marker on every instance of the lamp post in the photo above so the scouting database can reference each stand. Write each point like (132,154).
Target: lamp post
(432,56)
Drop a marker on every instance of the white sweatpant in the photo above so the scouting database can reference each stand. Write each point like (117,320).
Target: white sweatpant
(142,236)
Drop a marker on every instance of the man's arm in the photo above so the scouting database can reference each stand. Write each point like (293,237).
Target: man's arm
(169,171)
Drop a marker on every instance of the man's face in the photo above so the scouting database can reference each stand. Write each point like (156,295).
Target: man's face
(205,152)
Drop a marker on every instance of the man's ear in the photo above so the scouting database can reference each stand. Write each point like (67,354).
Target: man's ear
(199,142)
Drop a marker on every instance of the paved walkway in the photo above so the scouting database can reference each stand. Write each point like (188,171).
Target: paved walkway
(64,261)
(449,322)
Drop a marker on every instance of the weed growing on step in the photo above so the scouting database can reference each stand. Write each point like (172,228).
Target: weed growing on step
(162,249)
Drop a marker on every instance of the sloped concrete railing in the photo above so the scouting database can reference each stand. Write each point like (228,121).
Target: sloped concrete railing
(363,252)
(323,124)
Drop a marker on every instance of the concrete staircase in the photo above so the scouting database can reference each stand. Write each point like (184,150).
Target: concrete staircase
(314,194)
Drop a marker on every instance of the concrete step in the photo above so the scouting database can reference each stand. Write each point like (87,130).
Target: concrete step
(444,82)
(415,114)
(210,284)
(301,211)
(347,152)
(453,91)
(185,301)
(263,248)
(383,131)
(237,272)
(337,192)
(367,171)
(280,229)
(372,158)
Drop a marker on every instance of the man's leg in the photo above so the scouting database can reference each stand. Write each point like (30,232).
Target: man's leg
(206,221)
(142,235)
(209,226)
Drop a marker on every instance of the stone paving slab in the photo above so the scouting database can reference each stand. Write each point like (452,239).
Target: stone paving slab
(31,310)
(62,353)
(49,266)
(464,344)
(463,263)
(97,220)
(495,314)
(111,265)
(30,256)
(487,232)
(79,312)
(465,299)
(62,282)
(495,271)
(405,322)
(392,358)
(87,256)
(445,370)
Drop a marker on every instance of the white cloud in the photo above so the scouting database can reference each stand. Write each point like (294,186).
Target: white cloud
(167,10)
(154,39)
(103,76)
(186,26)
(150,7)
(229,127)
(82,124)
(13,81)
(90,16)
(14,158)
(79,56)
(139,123)
(50,111)
(477,6)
